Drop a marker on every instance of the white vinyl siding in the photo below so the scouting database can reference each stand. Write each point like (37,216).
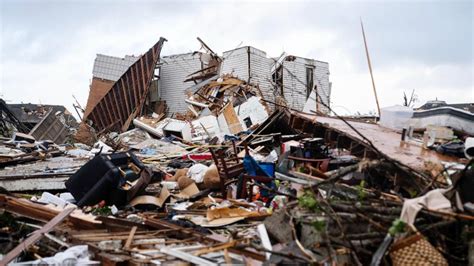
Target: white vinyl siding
(174,70)
(294,82)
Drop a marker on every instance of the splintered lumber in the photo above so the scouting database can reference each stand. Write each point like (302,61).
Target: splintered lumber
(215,248)
(205,239)
(37,235)
(324,183)
(186,256)
(39,212)
(130,238)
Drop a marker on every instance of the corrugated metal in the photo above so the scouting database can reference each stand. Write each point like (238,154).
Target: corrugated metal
(111,67)
(115,111)
(174,70)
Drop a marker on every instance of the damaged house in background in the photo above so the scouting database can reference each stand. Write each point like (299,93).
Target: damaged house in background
(277,79)
(41,121)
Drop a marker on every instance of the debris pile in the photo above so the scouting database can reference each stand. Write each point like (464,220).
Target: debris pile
(229,181)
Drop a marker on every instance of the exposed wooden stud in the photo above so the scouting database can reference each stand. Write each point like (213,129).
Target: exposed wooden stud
(37,235)
(130,238)
(125,96)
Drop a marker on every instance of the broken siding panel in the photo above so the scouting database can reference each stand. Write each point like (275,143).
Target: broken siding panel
(174,70)
(235,62)
(295,82)
(260,73)
(321,77)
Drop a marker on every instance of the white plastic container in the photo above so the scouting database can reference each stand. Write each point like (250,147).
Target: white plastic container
(395,117)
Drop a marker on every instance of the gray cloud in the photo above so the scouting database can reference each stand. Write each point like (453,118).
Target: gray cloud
(407,40)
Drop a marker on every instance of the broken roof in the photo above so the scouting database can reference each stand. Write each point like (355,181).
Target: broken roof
(125,99)
(436,104)
(111,67)
(32,114)
(386,140)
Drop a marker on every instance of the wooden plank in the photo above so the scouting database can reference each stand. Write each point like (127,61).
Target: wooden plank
(109,105)
(125,98)
(187,257)
(103,117)
(135,86)
(59,136)
(37,235)
(129,83)
(116,106)
(35,183)
(232,119)
(130,238)
(144,81)
(38,212)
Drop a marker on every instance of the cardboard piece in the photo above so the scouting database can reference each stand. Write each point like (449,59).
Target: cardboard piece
(157,201)
(188,192)
(221,222)
(227,212)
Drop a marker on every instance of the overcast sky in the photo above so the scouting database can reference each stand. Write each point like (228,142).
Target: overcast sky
(48,47)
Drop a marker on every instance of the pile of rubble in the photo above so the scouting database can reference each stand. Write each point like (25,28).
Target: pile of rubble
(233,181)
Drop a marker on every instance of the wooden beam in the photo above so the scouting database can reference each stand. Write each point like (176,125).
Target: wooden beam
(370,67)
(126,95)
(130,238)
(36,236)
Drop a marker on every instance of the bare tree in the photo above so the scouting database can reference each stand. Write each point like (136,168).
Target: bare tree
(410,102)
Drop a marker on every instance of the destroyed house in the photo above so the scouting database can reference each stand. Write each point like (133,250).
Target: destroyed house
(296,77)
(174,71)
(8,121)
(227,181)
(290,77)
(31,114)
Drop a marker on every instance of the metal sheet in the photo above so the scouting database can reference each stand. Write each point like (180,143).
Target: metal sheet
(115,111)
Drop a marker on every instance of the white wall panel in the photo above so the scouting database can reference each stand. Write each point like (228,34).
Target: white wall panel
(174,70)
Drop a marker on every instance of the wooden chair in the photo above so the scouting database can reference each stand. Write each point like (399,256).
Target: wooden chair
(228,167)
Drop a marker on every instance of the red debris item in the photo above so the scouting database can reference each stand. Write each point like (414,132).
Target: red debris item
(198,157)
